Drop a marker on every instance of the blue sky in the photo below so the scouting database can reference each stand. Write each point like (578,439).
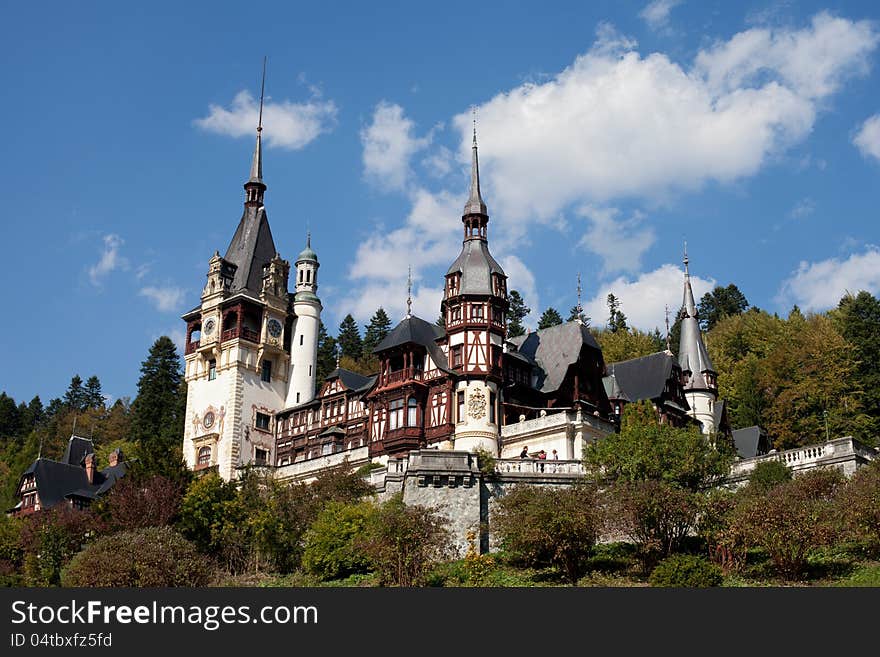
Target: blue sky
(609,134)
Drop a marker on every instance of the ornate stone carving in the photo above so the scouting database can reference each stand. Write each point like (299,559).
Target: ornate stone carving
(477,404)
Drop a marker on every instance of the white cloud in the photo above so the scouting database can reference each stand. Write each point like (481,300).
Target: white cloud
(110,259)
(389,144)
(656,13)
(521,279)
(166,299)
(617,125)
(644,299)
(867,139)
(820,285)
(285,124)
(620,243)
(803,208)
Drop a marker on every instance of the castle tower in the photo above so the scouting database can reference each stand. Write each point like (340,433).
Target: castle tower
(238,344)
(474,306)
(307,308)
(701,383)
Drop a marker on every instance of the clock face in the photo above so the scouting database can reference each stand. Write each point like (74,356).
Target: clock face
(208,420)
(209,327)
(274,328)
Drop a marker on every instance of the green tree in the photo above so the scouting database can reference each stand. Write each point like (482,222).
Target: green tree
(349,338)
(92,395)
(721,302)
(858,320)
(624,344)
(50,539)
(516,314)
(616,318)
(404,541)
(326,355)
(376,330)
(441,321)
(157,414)
(330,544)
(202,511)
(768,474)
(644,450)
(555,526)
(75,396)
(10,424)
(550,317)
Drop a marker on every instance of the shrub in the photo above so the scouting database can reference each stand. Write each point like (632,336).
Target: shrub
(858,506)
(136,502)
(50,539)
(789,521)
(686,570)
(655,515)
(553,526)
(330,550)
(154,556)
(768,474)
(403,542)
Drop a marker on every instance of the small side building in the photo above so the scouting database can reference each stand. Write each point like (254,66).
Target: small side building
(74,480)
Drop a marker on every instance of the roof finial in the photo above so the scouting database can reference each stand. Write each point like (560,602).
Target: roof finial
(668,343)
(409,292)
(338,351)
(308,239)
(686,261)
(262,92)
(474,114)
(257,164)
(579,307)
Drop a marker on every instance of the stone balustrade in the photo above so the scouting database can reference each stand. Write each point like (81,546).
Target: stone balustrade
(539,467)
(309,468)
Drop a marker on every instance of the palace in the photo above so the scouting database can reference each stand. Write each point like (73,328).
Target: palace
(251,359)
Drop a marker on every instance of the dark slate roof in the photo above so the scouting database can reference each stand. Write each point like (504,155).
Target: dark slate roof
(57,481)
(554,350)
(77,448)
(476,266)
(415,330)
(747,441)
(351,380)
(639,378)
(250,250)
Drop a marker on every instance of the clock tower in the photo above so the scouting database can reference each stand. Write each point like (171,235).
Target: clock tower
(243,344)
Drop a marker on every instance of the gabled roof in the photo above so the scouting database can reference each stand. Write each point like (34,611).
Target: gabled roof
(415,330)
(251,249)
(351,380)
(554,350)
(639,378)
(56,481)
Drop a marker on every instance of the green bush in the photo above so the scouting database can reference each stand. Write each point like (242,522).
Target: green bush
(687,571)
(768,474)
(330,549)
(857,505)
(153,556)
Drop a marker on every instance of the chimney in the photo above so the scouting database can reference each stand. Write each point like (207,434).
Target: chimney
(115,457)
(90,467)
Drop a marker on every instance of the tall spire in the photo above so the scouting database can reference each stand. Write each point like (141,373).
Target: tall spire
(255,186)
(475,204)
(688,302)
(693,356)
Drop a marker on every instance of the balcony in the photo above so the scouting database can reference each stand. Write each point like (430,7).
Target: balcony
(245,334)
(406,374)
(192,347)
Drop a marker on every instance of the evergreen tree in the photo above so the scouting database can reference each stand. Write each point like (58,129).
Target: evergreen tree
(573,314)
(31,416)
(93,397)
(157,414)
(441,321)
(515,315)
(858,319)
(720,303)
(326,355)
(349,338)
(9,417)
(75,397)
(616,318)
(376,330)
(550,317)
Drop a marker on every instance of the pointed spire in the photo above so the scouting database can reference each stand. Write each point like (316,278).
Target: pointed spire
(688,302)
(579,307)
(693,356)
(668,339)
(255,187)
(409,293)
(475,204)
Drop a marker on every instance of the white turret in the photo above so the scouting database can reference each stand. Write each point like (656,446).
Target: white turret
(700,386)
(304,342)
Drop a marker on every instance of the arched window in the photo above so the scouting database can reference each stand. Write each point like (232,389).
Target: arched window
(411,412)
(204,457)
